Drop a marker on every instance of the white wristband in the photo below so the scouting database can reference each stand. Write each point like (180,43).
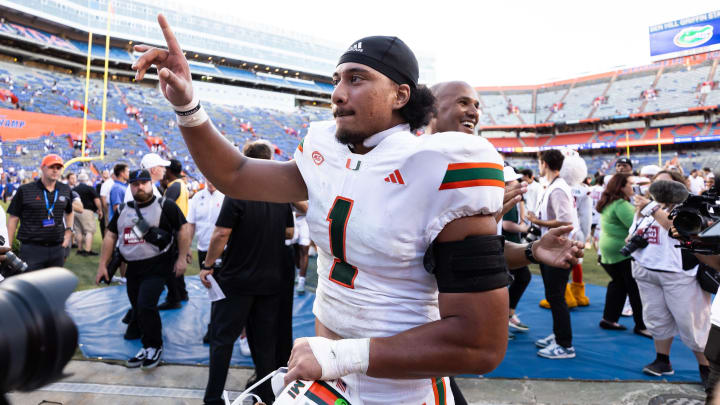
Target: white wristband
(191,114)
(194,119)
(339,358)
(187,107)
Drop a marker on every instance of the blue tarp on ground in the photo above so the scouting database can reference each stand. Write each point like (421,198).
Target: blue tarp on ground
(98,314)
(601,354)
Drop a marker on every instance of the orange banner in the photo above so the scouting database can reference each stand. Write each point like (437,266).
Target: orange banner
(17,124)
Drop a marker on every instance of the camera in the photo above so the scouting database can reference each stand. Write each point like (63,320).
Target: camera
(638,241)
(12,264)
(141,228)
(37,337)
(533,234)
(151,234)
(693,220)
(113,265)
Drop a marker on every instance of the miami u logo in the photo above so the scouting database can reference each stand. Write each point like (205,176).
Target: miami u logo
(349,162)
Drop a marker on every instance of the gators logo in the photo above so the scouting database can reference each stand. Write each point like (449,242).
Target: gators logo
(693,36)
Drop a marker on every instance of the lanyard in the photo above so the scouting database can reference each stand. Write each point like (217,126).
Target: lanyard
(47,203)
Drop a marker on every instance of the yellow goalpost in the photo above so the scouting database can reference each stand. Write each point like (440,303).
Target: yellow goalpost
(101,156)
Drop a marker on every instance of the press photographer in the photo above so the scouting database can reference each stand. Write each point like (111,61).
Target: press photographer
(673,301)
(149,228)
(696,227)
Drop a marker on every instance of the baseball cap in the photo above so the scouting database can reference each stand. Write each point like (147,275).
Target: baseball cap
(139,175)
(388,55)
(175,167)
(52,159)
(510,174)
(649,170)
(152,160)
(623,160)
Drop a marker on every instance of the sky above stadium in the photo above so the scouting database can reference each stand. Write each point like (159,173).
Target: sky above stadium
(484,42)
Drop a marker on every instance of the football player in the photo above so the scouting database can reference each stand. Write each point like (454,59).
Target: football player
(411,274)
(457,110)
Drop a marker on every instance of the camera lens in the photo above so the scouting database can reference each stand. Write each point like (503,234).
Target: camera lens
(688,222)
(37,337)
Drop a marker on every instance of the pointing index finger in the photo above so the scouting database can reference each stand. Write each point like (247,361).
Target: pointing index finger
(172,43)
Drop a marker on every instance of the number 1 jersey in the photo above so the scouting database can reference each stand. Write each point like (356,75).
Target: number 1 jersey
(373,216)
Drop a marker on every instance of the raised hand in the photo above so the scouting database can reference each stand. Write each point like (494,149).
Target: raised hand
(173,68)
(556,249)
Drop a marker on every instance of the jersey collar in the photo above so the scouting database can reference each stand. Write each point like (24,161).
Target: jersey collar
(374,140)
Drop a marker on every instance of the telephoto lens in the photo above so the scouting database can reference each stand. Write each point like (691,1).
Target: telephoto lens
(37,337)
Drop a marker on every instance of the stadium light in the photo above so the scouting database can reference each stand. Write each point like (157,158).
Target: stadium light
(267,68)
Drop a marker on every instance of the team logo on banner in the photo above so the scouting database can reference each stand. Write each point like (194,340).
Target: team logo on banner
(693,36)
(318,158)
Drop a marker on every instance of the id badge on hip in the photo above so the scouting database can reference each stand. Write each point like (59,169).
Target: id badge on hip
(47,223)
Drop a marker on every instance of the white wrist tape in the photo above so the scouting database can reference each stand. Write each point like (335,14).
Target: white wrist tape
(191,114)
(649,209)
(339,358)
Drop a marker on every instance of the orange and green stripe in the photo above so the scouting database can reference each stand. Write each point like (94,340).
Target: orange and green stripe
(459,175)
(321,393)
(300,145)
(438,386)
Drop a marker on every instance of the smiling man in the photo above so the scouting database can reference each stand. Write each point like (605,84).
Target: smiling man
(390,212)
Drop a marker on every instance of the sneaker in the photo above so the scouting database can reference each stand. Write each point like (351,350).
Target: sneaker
(91,253)
(545,342)
(658,368)
(611,325)
(245,347)
(627,309)
(300,289)
(152,357)
(555,351)
(515,324)
(137,361)
(119,280)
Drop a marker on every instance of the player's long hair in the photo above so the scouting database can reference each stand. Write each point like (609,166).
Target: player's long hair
(613,191)
(420,108)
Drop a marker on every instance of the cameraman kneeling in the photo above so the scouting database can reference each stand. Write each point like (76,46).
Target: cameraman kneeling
(673,301)
(148,228)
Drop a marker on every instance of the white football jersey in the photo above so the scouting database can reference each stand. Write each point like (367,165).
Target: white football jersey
(373,216)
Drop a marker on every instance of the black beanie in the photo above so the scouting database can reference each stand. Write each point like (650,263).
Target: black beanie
(388,55)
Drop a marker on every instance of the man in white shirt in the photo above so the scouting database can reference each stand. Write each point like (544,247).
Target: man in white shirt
(107,185)
(204,210)
(534,190)
(697,182)
(153,163)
